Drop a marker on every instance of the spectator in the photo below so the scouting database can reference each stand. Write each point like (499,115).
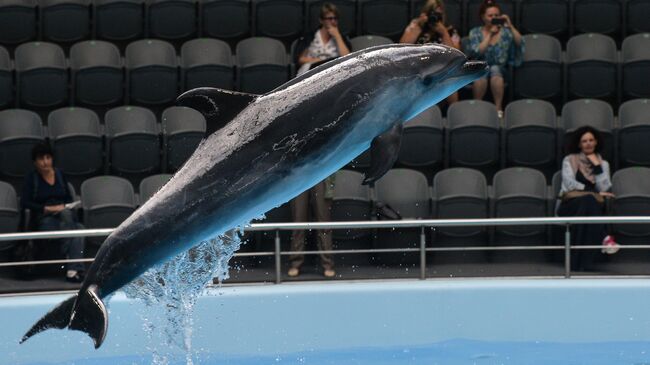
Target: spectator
(328,42)
(46,194)
(320,199)
(585,185)
(498,43)
(431,27)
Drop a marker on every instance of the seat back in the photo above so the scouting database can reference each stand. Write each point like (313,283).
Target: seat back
(119,20)
(460,193)
(95,63)
(172,19)
(207,62)
(64,21)
(261,64)
(591,66)
(602,16)
(406,191)
(150,185)
(540,74)
(183,129)
(152,74)
(632,198)
(279,19)
(519,192)
(76,139)
(422,144)
(106,202)
(386,18)
(634,133)
(225,19)
(18,21)
(42,76)
(9,213)
(365,41)
(636,66)
(544,16)
(132,140)
(20,130)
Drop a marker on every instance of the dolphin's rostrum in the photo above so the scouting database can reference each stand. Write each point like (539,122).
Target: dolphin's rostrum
(266,150)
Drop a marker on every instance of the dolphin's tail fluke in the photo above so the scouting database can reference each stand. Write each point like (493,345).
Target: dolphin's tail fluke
(90,316)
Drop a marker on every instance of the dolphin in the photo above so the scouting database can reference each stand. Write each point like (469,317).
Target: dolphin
(266,150)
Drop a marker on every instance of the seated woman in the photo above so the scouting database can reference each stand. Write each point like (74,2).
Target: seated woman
(431,27)
(498,43)
(585,185)
(45,193)
(327,43)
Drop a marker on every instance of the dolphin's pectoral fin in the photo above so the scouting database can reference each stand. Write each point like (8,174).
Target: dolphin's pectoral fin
(384,150)
(90,316)
(59,317)
(218,106)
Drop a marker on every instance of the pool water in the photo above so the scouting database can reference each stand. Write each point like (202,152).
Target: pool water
(447,322)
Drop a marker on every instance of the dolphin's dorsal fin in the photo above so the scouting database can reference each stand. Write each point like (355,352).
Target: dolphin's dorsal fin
(218,106)
(384,150)
(90,316)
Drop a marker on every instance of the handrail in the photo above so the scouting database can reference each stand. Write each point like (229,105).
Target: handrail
(566,222)
(404,223)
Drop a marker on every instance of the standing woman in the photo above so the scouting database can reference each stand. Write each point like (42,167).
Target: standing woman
(431,27)
(585,185)
(498,43)
(328,42)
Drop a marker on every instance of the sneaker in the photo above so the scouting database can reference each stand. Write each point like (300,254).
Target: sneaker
(293,272)
(610,246)
(74,276)
(329,273)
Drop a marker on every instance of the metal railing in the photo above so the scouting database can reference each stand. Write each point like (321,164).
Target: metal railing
(422,224)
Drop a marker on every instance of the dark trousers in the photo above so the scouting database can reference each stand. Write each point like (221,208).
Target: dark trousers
(71,247)
(584,234)
(300,210)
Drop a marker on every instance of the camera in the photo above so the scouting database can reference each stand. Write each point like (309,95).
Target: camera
(432,18)
(498,21)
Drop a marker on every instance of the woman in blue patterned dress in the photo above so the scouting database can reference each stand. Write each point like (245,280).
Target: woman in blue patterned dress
(499,43)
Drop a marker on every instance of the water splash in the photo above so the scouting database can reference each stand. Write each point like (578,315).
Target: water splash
(171,289)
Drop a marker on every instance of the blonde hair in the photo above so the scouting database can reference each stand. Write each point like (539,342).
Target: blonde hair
(431,5)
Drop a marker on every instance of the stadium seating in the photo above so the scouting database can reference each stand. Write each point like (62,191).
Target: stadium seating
(20,130)
(172,19)
(261,65)
(635,66)
(150,185)
(225,19)
(151,72)
(9,214)
(549,17)
(183,128)
(361,42)
(41,75)
(119,20)
(94,63)
(591,67)
(632,198)
(636,16)
(207,62)
(540,74)
(596,16)
(64,21)
(373,19)
(279,19)
(595,113)
(18,21)
(422,145)
(634,133)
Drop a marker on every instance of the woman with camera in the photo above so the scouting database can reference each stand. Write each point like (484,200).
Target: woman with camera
(498,43)
(431,27)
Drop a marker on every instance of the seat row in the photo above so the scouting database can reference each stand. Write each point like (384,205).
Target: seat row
(67,21)
(462,193)
(531,134)
(129,142)
(591,67)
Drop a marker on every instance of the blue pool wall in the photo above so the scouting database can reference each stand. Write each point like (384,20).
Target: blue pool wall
(268,320)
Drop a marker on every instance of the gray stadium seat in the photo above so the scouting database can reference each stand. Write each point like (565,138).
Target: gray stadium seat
(636,66)
(225,19)
(386,18)
(636,15)
(365,41)
(453,8)
(132,144)
(17,21)
(407,192)
(592,64)
(207,62)
(171,19)
(279,19)
(64,21)
(347,15)
(422,145)
(97,75)
(596,16)
(183,129)
(152,74)
(544,16)
(119,20)
(261,65)
(540,74)
(150,185)
(106,202)
(473,136)
(41,75)
(9,214)
(519,192)
(634,133)
(595,113)
(20,130)
(472,18)
(351,202)
(76,139)
(632,198)
(460,193)
(530,135)
(6,78)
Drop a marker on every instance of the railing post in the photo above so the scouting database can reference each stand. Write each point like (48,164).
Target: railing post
(423,254)
(567,252)
(278,258)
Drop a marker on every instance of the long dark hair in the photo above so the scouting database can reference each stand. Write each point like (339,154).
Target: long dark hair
(573,145)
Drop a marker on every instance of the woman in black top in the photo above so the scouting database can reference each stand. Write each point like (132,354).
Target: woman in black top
(45,194)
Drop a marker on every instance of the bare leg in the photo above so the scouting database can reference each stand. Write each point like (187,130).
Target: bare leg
(321,207)
(299,206)
(497,86)
(479,88)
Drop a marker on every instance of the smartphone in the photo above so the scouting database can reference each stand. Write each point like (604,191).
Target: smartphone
(498,21)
